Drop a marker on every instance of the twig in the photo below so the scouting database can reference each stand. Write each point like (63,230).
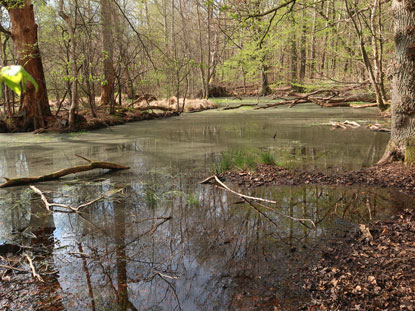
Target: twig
(12,268)
(247,199)
(49,205)
(34,273)
(45,200)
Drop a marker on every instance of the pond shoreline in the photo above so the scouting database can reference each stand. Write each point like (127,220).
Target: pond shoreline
(372,267)
(393,175)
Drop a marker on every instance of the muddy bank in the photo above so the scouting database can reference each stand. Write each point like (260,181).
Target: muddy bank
(393,175)
(142,109)
(373,271)
(369,267)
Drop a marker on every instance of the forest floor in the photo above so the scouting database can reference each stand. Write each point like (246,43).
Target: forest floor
(370,269)
(393,175)
(142,109)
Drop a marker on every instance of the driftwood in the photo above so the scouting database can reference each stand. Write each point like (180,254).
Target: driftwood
(378,128)
(364,106)
(239,106)
(63,172)
(333,100)
(153,107)
(344,125)
(343,101)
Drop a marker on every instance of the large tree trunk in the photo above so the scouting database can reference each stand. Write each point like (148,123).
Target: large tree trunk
(24,33)
(107,88)
(402,142)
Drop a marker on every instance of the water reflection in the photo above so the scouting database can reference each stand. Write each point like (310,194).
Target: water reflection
(164,242)
(125,252)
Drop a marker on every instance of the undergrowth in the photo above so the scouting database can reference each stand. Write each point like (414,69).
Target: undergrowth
(241,159)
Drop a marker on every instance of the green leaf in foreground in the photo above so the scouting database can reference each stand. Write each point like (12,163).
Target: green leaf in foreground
(16,78)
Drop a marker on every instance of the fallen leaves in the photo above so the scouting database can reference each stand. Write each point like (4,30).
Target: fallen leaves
(359,273)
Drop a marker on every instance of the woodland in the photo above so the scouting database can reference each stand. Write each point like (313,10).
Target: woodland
(311,226)
(99,55)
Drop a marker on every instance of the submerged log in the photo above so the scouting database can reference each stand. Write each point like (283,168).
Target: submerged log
(63,172)
(239,106)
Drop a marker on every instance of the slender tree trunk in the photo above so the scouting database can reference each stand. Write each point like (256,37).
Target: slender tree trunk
(24,33)
(313,42)
(402,141)
(73,57)
(293,55)
(303,49)
(107,87)
(201,66)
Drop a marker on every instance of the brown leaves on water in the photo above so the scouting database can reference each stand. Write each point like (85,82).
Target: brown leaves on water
(363,274)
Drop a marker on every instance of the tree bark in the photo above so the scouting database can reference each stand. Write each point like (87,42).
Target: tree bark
(63,172)
(402,142)
(107,88)
(71,27)
(24,33)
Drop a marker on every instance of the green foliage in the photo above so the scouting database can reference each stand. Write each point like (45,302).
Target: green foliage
(16,78)
(192,199)
(239,159)
(268,158)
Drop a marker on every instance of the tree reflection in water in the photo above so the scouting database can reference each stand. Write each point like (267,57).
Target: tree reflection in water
(150,247)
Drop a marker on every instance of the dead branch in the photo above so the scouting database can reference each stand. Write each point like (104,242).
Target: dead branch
(216,182)
(154,107)
(342,101)
(45,200)
(12,268)
(32,267)
(239,106)
(378,128)
(63,172)
(364,106)
(49,205)
(333,100)
(344,125)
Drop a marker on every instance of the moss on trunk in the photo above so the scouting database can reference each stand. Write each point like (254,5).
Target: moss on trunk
(410,152)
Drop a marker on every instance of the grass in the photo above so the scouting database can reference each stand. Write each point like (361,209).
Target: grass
(240,159)
(268,158)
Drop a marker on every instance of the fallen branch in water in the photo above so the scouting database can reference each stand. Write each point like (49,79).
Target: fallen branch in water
(334,99)
(49,205)
(45,200)
(239,106)
(63,172)
(215,181)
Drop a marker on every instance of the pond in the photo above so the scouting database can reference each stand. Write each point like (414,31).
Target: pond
(158,240)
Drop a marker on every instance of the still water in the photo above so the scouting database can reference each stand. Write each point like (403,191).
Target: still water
(157,239)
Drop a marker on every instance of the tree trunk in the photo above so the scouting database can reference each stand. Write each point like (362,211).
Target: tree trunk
(24,34)
(402,142)
(107,88)
(71,27)
(265,89)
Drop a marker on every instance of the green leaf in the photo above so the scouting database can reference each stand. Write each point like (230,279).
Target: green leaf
(15,75)
(14,86)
